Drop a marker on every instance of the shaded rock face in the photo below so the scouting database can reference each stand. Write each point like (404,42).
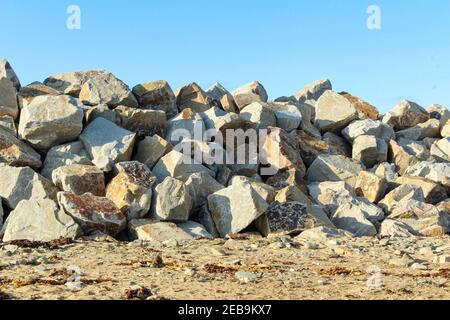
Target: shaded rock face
(8,99)
(365,109)
(93,213)
(405,115)
(6,71)
(80,179)
(314,90)
(142,122)
(39,220)
(16,153)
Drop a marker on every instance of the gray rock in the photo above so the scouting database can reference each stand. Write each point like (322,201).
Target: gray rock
(80,179)
(403,193)
(428,129)
(205,218)
(7,123)
(66,154)
(131,189)
(368,127)
(289,218)
(6,71)
(27,94)
(39,220)
(395,228)
(259,114)
(51,120)
(107,144)
(432,191)
(351,217)
(405,115)
(400,157)
(288,116)
(416,149)
(156,95)
(178,166)
(266,192)
(23,184)
(93,213)
(150,230)
(331,194)
(439,112)
(313,91)
(370,150)
(334,112)
(172,201)
(440,150)
(195,230)
(334,168)
(337,145)
(15,152)
(8,99)
(217,119)
(104,88)
(70,82)
(436,172)
(249,93)
(386,171)
(235,208)
(200,185)
(102,111)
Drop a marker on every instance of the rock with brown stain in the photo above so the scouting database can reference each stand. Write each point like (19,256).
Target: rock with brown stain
(157,95)
(80,179)
(93,213)
(405,115)
(17,153)
(365,109)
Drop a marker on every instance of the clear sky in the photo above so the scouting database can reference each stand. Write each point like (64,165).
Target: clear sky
(284,44)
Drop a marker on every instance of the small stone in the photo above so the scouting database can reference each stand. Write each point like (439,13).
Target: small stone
(395,228)
(184,126)
(156,95)
(350,217)
(93,213)
(432,191)
(400,157)
(418,266)
(102,111)
(27,94)
(149,230)
(246,277)
(249,93)
(80,179)
(200,185)
(428,129)
(368,128)
(7,123)
(107,144)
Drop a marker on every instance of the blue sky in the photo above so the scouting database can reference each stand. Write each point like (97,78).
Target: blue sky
(284,44)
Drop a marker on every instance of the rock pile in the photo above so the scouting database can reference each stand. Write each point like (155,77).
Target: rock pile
(82,153)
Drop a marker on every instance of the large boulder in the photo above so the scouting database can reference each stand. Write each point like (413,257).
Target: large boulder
(370,186)
(178,166)
(93,213)
(405,115)
(281,152)
(23,184)
(221,97)
(39,220)
(334,168)
(6,71)
(368,127)
(249,93)
(142,122)
(310,147)
(7,123)
(157,95)
(151,149)
(365,109)
(131,189)
(219,120)
(70,82)
(351,217)
(104,88)
(192,96)
(107,144)
(80,179)
(289,218)
(334,112)
(370,150)
(8,99)
(313,91)
(337,144)
(66,154)
(15,152)
(259,114)
(402,194)
(51,120)
(432,191)
(200,185)
(236,207)
(437,172)
(440,150)
(172,201)
(417,149)
(395,228)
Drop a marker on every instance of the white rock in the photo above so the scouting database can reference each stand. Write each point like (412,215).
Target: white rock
(249,93)
(260,114)
(184,126)
(334,168)
(288,115)
(313,91)
(370,150)
(107,144)
(51,120)
(368,127)
(149,230)
(39,220)
(350,217)
(334,112)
